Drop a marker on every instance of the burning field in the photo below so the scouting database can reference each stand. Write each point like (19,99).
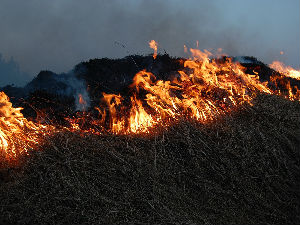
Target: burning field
(204,140)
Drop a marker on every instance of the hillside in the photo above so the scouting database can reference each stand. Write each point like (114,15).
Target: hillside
(243,169)
(182,148)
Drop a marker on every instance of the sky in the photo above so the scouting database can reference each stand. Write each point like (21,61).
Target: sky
(56,35)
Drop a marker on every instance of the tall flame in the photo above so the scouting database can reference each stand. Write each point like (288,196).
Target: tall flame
(82,102)
(153,44)
(17,134)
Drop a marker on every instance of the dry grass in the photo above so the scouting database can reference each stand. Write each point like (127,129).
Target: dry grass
(244,169)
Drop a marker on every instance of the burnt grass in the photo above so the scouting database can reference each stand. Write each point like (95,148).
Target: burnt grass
(241,169)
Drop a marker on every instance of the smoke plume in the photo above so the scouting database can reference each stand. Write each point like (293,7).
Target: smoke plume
(55,35)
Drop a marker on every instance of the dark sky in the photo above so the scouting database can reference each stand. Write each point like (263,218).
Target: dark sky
(58,34)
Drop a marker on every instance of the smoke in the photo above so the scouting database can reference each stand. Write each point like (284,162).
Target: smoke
(63,85)
(76,88)
(56,35)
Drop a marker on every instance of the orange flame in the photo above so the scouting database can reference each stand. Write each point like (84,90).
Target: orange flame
(204,90)
(139,119)
(286,70)
(153,44)
(185,49)
(17,134)
(210,90)
(117,124)
(82,102)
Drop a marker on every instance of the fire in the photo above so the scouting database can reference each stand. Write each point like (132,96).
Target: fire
(286,70)
(136,121)
(82,103)
(17,134)
(113,102)
(185,49)
(204,90)
(153,44)
(139,119)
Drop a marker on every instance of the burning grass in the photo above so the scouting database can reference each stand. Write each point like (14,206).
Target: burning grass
(241,169)
(205,90)
(17,134)
(211,144)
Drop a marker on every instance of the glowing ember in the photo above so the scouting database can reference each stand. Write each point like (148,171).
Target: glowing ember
(153,44)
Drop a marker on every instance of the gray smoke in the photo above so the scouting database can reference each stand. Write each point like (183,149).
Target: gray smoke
(76,88)
(56,35)
(64,85)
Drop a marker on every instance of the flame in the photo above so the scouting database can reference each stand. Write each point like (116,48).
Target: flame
(82,103)
(117,123)
(153,44)
(185,49)
(286,70)
(17,134)
(139,119)
(204,90)
(284,88)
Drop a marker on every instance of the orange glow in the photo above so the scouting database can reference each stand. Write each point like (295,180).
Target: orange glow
(139,119)
(153,44)
(206,88)
(211,90)
(185,49)
(17,134)
(82,102)
(285,70)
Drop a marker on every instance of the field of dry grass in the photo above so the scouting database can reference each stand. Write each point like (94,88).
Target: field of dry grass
(242,169)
